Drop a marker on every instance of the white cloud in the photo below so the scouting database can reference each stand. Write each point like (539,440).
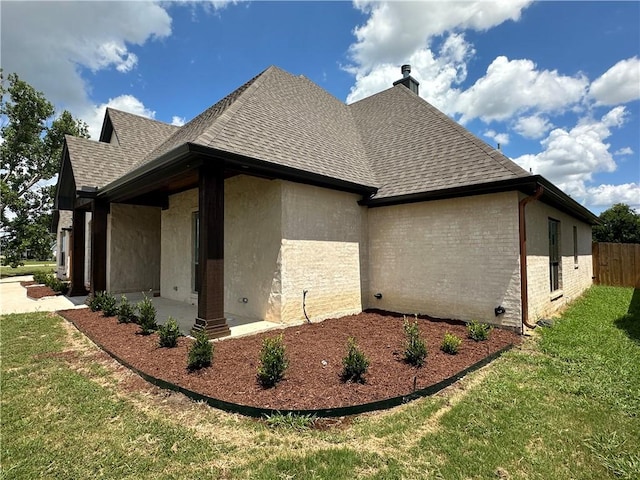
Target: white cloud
(571,157)
(623,151)
(49,43)
(94,115)
(501,138)
(534,126)
(607,195)
(513,86)
(402,32)
(619,84)
(178,121)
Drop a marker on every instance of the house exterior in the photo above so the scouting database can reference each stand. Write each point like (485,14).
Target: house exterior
(280,201)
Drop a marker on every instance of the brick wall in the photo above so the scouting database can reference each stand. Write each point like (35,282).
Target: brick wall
(574,277)
(455,258)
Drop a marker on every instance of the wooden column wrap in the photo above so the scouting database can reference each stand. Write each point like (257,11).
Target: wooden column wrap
(98,246)
(76,270)
(211,216)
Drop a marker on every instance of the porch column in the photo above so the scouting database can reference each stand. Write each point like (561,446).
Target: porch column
(98,246)
(211,253)
(76,270)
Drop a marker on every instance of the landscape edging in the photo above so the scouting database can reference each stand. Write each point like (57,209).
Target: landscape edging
(258,412)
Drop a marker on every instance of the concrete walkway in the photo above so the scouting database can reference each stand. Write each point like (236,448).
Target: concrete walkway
(13,299)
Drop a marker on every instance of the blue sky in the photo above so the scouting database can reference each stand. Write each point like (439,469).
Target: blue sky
(557,84)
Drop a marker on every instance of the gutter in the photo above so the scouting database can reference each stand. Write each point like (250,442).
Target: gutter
(524,286)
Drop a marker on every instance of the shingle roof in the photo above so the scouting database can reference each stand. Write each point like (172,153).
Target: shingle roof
(95,164)
(137,136)
(393,140)
(415,148)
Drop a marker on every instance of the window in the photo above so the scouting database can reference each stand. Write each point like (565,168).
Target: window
(62,251)
(195,252)
(575,246)
(554,255)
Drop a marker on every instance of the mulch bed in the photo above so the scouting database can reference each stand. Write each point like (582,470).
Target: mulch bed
(308,384)
(30,283)
(39,291)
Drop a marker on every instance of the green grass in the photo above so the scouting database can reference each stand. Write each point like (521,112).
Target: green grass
(565,405)
(29,268)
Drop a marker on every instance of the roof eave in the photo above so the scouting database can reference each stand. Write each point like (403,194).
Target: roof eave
(552,195)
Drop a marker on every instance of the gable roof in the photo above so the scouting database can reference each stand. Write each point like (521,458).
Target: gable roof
(94,164)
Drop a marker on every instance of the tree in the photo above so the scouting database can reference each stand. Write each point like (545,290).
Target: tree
(620,224)
(31,151)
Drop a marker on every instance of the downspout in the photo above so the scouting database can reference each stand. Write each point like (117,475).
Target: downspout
(524,287)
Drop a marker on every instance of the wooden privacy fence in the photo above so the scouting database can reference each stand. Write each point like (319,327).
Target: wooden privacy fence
(616,264)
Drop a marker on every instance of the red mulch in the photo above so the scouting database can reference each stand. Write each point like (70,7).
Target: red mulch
(39,291)
(307,383)
(28,284)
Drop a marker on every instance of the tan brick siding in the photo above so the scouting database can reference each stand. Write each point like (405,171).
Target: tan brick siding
(573,280)
(456,258)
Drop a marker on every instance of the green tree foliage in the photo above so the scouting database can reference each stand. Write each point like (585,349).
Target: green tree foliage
(620,224)
(31,150)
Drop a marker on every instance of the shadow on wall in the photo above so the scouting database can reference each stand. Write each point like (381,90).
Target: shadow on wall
(630,322)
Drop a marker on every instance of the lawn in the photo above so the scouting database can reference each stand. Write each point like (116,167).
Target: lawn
(29,268)
(563,405)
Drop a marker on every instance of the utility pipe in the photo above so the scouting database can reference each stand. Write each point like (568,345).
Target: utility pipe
(524,287)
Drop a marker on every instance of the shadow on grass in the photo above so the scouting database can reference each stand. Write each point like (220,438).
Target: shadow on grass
(630,322)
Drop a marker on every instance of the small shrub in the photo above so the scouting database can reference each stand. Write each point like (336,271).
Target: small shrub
(58,285)
(273,362)
(41,277)
(415,349)
(450,343)
(478,331)
(147,316)
(95,302)
(109,305)
(169,333)
(126,311)
(200,353)
(355,364)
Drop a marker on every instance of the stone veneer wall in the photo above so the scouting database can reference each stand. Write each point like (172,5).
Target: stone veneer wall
(454,258)
(575,278)
(133,248)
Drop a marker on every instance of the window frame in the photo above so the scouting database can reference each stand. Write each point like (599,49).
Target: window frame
(555,257)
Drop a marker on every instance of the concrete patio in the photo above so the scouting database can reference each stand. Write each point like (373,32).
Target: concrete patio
(13,299)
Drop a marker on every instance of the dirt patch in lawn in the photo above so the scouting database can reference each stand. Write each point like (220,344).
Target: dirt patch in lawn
(315,353)
(40,291)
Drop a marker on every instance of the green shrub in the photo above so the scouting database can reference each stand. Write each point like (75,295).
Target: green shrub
(450,343)
(169,333)
(273,362)
(147,316)
(355,364)
(109,305)
(415,348)
(478,331)
(41,277)
(95,302)
(200,353)
(126,311)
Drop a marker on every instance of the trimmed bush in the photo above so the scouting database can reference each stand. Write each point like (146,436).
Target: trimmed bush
(169,333)
(57,285)
(478,331)
(147,316)
(41,277)
(95,302)
(200,353)
(415,348)
(273,362)
(355,364)
(126,311)
(109,305)
(450,344)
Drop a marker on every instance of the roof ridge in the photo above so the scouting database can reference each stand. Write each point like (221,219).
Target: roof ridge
(461,131)
(208,115)
(220,122)
(142,117)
